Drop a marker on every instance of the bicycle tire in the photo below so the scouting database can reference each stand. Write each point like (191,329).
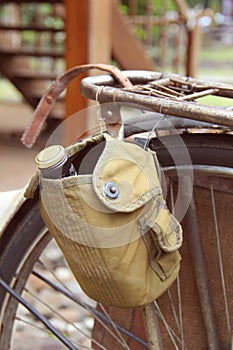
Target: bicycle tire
(22,240)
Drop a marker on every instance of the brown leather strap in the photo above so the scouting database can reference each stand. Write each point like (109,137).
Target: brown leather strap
(49,98)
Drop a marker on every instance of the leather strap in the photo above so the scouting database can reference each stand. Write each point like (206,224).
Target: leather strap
(48,100)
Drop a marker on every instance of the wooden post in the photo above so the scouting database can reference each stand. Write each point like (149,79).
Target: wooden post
(76,53)
(127,49)
(100,43)
(193,50)
(194,38)
(182,9)
(100,28)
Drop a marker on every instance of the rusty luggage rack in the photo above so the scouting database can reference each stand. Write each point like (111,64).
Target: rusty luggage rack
(164,93)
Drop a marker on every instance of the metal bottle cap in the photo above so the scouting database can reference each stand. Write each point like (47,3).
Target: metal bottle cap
(50,157)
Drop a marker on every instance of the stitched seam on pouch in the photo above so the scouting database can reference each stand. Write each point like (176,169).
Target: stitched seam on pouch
(77,147)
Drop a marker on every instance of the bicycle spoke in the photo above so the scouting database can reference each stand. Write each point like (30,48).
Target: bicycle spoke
(172,304)
(168,328)
(180,313)
(123,342)
(89,308)
(220,260)
(31,324)
(199,266)
(39,316)
(44,330)
(78,329)
(178,318)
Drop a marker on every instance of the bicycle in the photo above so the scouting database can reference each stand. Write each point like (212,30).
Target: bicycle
(196,312)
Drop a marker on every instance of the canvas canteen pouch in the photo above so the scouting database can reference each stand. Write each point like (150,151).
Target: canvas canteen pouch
(111,222)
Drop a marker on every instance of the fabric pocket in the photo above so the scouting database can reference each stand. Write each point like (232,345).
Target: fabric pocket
(112,224)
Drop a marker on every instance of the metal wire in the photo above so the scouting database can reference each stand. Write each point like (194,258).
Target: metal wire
(220,260)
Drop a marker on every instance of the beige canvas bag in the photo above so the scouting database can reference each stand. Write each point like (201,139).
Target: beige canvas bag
(111,222)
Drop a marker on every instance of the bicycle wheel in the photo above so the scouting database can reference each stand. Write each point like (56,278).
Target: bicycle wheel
(26,256)
(203,314)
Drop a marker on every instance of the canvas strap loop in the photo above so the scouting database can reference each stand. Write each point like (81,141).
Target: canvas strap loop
(48,100)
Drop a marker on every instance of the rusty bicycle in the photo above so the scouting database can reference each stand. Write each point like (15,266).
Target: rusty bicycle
(193,140)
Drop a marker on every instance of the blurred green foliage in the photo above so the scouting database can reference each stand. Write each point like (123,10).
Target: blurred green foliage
(171,6)
(141,6)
